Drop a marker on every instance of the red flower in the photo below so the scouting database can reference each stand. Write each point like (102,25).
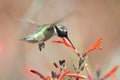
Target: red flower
(56,66)
(67,43)
(40,75)
(63,75)
(113,76)
(57,41)
(67,73)
(95,45)
(90,77)
(110,73)
(77,76)
(48,78)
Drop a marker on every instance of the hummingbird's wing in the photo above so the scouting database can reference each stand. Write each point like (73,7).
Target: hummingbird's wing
(36,36)
(31,22)
(40,39)
(63,18)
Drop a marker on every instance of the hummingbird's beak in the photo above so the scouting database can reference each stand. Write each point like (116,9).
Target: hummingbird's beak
(68,40)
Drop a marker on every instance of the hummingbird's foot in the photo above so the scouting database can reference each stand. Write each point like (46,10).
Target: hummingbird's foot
(42,45)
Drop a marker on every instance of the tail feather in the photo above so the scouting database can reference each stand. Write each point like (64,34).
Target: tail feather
(23,39)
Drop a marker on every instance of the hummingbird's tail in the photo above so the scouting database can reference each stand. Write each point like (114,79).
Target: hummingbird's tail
(27,39)
(22,39)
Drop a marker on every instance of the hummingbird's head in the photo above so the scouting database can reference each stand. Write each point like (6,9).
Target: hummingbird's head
(62,32)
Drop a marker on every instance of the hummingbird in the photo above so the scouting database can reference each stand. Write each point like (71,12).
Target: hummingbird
(45,32)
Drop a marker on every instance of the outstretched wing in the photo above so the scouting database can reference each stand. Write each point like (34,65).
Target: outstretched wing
(31,22)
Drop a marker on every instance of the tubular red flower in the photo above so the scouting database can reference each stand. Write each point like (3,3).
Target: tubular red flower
(113,76)
(48,78)
(77,76)
(57,41)
(95,46)
(63,74)
(90,77)
(39,74)
(111,72)
(67,43)
(56,66)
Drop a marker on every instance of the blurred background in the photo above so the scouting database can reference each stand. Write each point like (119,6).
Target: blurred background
(89,21)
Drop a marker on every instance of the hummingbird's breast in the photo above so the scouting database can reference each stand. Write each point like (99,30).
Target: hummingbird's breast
(49,32)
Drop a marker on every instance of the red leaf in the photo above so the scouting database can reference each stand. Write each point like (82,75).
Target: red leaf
(111,72)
